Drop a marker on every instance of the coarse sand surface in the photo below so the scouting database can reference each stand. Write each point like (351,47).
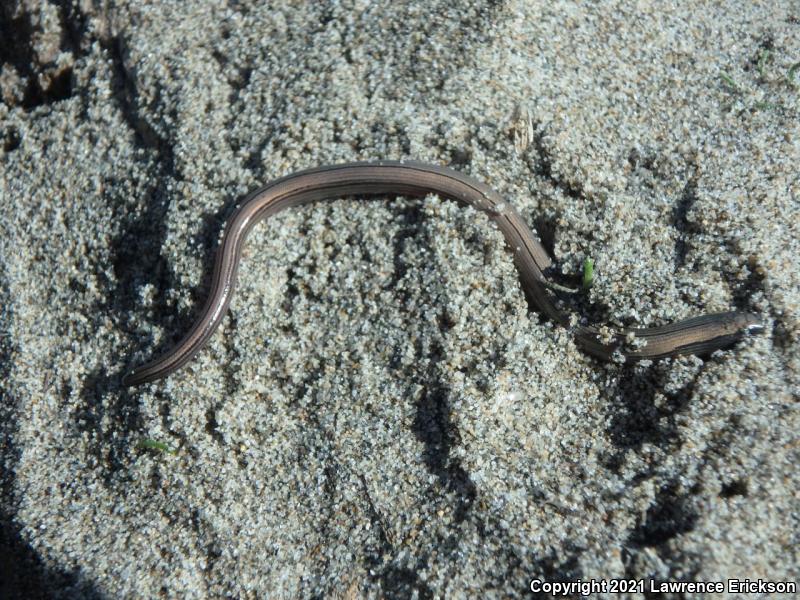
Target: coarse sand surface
(381,415)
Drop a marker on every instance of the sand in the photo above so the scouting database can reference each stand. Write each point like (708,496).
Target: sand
(381,414)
